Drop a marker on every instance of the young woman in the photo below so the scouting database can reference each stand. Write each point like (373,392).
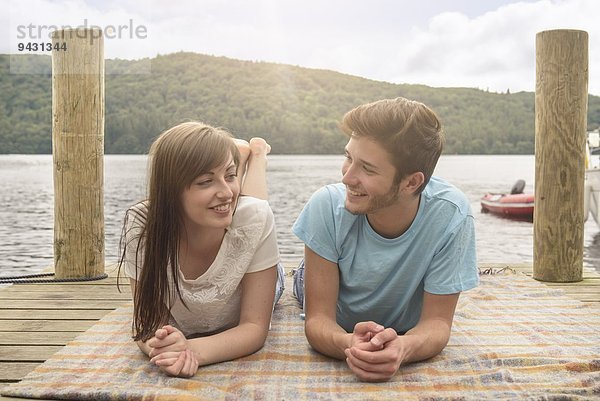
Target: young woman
(202,257)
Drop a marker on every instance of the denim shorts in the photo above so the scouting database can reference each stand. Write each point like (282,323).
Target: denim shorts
(298,286)
(280,285)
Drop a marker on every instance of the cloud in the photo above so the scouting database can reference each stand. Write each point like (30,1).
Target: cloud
(495,50)
(389,40)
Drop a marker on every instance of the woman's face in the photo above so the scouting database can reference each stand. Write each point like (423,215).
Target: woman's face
(210,200)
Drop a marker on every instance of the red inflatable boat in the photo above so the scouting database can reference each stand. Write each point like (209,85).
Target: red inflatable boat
(516,204)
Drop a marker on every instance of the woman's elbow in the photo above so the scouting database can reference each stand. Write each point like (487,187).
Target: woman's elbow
(258,337)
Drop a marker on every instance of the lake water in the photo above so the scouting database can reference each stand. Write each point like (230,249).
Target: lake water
(27,204)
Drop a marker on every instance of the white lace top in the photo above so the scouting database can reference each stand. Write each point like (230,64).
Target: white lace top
(214,298)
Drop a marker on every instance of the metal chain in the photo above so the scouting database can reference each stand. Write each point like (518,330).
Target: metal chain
(30,279)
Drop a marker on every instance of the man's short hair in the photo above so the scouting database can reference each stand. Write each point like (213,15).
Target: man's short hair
(407,129)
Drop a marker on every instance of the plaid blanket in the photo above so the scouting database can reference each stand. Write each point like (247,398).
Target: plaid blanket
(513,338)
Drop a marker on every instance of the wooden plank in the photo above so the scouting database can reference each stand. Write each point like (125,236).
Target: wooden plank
(569,291)
(580,287)
(46,325)
(586,276)
(62,304)
(526,267)
(586,281)
(27,353)
(67,288)
(37,338)
(589,290)
(52,314)
(588,298)
(585,298)
(591,295)
(14,371)
(39,295)
(591,279)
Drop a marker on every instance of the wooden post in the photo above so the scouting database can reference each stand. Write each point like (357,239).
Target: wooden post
(78,149)
(561,95)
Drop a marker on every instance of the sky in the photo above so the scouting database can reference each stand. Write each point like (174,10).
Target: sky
(485,44)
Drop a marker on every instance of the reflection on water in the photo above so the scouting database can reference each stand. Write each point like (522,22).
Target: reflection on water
(27,205)
(592,250)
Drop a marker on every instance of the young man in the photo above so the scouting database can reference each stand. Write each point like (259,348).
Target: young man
(388,250)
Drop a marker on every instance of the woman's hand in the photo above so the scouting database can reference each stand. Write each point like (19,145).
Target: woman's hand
(167,339)
(180,364)
(170,352)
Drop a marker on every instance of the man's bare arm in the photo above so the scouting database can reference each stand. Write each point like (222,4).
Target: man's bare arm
(321,282)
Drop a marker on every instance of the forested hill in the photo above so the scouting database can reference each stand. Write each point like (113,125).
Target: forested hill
(296,109)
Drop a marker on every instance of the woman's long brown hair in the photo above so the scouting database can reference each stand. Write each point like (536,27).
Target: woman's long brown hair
(176,158)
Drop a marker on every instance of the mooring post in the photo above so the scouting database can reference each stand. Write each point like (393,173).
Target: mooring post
(78,150)
(561,95)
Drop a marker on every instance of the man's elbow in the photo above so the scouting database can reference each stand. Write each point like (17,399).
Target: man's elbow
(439,347)
(322,341)
(429,341)
(440,342)
(309,332)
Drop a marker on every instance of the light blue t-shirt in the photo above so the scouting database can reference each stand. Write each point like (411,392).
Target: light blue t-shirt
(384,279)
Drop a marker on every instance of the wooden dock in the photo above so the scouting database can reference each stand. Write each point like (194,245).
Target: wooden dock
(587,290)
(36,320)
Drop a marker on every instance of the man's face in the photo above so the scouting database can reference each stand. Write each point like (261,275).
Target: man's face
(369,177)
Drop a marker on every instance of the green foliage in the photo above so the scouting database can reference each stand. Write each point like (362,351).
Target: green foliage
(296,109)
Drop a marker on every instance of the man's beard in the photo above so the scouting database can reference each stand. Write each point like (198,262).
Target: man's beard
(376,202)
